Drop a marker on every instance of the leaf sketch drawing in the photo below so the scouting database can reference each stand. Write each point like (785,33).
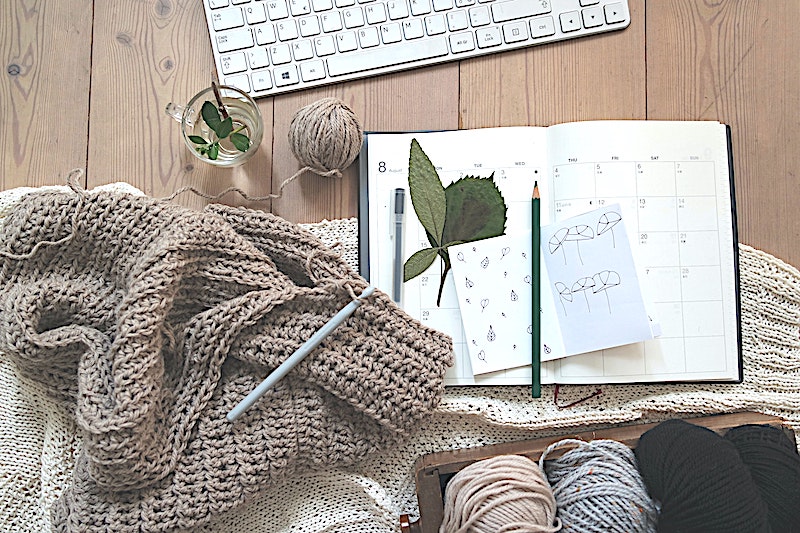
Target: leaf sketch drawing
(606,224)
(575,234)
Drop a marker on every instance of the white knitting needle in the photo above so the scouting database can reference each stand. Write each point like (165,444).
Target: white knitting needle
(298,356)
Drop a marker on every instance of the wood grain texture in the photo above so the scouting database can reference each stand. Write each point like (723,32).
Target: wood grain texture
(598,77)
(145,55)
(45,52)
(736,62)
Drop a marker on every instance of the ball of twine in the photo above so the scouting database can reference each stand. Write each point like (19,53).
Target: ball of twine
(598,488)
(700,480)
(502,494)
(325,136)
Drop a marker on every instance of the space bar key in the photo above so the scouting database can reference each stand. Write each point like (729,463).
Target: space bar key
(384,56)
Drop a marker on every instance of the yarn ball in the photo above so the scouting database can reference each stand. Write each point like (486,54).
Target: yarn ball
(325,136)
(699,480)
(506,493)
(774,464)
(598,488)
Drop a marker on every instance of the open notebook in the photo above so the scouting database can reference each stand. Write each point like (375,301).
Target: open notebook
(673,183)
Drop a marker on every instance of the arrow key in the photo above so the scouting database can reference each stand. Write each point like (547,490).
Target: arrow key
(615,13)
(592,17)
(570,21)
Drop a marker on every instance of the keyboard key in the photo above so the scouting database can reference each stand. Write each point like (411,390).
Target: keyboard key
(387,55)
(420,7)
(542,27)
(302,50)
(515,32)
(324,46)
(457,20)
(277,10)
(592,17)
(412,29)
(265,34)
(280,54)
(391,33)
(517,9)
(346,41)
(442,5)
(397,9)
(435,25)
(312,70)
(226,19)
(375,14)
(298,8)
(479,16)
(255,14)
(368,37)
(322,5)
(242,81)
(331,22)
(216,4)
(309,26)
(570,21)
(462,42)
(233,63)
(234,40)
(262,81)
(285,76)
(585,3)
(286,30)
(258,58)
(488,37)
(353,18)
(614,13)
(236,2)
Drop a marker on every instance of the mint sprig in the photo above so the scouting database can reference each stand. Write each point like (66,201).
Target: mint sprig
(223,128)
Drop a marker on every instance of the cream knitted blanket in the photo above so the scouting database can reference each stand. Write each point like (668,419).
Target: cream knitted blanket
(38,441)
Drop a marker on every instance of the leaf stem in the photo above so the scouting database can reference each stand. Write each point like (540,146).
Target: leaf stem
(220,105)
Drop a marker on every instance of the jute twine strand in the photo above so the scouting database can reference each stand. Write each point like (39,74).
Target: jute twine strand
(498,495)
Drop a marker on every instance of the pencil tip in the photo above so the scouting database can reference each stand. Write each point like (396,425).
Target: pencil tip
(535,190)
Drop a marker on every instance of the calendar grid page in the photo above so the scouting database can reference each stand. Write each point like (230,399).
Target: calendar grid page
(672,181)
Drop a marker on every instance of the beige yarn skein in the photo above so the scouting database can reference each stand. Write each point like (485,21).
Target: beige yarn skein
(501,494)
(325,136)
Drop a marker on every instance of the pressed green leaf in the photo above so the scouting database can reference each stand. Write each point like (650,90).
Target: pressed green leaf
(213,151)
(427,193)
(225,128)
(197,139)
(240,141)
(210,115)
(418,263)
(475,210)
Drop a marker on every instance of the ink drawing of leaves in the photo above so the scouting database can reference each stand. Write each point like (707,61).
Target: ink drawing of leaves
(427,193)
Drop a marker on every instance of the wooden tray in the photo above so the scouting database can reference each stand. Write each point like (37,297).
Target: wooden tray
(433,471)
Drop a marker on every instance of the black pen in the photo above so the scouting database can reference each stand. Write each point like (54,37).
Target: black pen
(399,206)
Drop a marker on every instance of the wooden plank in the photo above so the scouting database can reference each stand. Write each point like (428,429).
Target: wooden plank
(44,90)
(418,99)
(147,54)
(435,469)
(598,77)
(735,62)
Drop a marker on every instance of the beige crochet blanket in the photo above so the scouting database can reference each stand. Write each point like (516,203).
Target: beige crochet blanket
(38,443)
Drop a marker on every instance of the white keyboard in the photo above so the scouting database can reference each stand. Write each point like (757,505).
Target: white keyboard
(268,47)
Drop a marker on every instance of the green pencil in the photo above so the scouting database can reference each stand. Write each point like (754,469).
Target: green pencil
(536,235)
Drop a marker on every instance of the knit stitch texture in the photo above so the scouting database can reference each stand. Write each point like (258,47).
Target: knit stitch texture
(150,321)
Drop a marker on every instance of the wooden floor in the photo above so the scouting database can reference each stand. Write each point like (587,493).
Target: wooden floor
(84,84)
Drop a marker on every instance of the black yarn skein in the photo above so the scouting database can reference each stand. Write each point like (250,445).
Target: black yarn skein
(700,481)
(774,465)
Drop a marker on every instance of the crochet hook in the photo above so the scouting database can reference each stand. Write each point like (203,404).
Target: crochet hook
(298,355)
